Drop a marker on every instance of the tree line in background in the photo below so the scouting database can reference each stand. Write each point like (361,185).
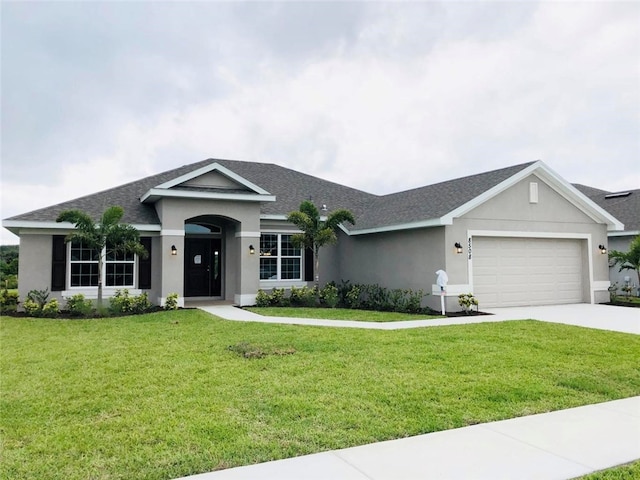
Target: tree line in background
(9,266)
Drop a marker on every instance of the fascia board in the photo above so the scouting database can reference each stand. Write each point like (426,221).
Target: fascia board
(209,168)
(629,233)
(435,222)
(489,194)
(273,217)
(18,225)
(154,194)
(541,170)
(578,199)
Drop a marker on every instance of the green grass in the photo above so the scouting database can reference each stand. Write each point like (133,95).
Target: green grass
(161,396)
(629,471)
(339,314)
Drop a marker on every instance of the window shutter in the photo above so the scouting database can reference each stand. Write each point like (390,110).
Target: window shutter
(308,265)
(144,265)
(58,263)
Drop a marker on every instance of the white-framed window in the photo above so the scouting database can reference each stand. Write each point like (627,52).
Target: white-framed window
(119,268)
(279,259)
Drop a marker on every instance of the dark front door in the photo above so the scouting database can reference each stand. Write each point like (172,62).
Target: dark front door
(202,270)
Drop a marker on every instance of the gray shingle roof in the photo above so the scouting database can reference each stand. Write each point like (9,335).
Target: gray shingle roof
(290,188)
(624,208)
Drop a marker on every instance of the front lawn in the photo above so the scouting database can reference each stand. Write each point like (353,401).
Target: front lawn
(339,314)
(161,395)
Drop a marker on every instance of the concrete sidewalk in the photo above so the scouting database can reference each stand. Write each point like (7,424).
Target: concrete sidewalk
(603,317)
(557,445)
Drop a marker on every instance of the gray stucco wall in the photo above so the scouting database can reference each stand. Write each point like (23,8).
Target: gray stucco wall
(404,259)
(34,270)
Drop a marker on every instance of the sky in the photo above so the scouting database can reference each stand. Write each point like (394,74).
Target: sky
(380,96)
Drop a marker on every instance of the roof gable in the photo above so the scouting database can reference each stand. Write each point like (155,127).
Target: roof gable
(210,182)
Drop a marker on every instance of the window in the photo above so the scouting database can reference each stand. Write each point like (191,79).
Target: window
(279,259)
(118,267)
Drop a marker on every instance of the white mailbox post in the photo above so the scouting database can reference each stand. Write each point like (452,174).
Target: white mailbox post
(442,281)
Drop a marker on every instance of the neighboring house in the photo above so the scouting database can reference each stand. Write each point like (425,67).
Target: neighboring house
(625,206)
(217,229)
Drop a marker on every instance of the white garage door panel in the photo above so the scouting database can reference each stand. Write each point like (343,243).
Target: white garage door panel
(527,271)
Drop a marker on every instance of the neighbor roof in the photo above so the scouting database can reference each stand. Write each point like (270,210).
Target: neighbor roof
(625,208)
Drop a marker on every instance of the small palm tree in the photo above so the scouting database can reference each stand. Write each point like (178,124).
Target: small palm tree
(317,233)
(628,260)
(106,237)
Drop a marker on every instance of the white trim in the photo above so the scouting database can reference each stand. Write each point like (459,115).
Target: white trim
(210,168)
(435,222)
(92,292)
(155,193)
(167,232)
(600,285)
(245,299)
(247,235)
(273,217)
(451,290)
(627,233)
(542,171)
(286,284)
(521,234)
(67,225)
(280,230)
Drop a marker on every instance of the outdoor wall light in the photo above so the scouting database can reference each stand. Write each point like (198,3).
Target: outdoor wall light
(603,249)
(252,250)
(458,247)
(174,250)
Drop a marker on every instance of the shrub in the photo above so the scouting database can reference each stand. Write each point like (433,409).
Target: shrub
(277,298)
(467,301)
(78,306)
(414,302)
(171,302)
(32,308)
(123,303)
(262,299)
(329,295)
(9,281)
(352,297)
(140,303)
(8,301)
(613,291)
(39,297)
(304,297)
(51,309)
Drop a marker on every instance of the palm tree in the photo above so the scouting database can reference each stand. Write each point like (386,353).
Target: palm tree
(316,232)
(628,260)
(106,237)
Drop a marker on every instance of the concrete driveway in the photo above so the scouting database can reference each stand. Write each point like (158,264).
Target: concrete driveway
(602,317)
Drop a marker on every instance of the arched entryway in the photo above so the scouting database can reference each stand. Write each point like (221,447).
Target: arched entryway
(204,260)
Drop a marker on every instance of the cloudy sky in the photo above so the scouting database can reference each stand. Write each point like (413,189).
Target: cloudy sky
(378,96)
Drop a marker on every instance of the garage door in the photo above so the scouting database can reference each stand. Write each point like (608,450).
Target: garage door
(527,271)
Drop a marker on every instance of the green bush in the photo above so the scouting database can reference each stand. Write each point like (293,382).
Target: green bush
(51,309)
(352,297)
(39,297)
(8,301)
(329,295)
(303,297)
(277,298)
(467,301)
(263,299)
(78,306)
(32,308)
(122,303)
(9,281)
(171,302)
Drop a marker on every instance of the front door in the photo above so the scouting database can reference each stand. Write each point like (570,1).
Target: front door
(202,270)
